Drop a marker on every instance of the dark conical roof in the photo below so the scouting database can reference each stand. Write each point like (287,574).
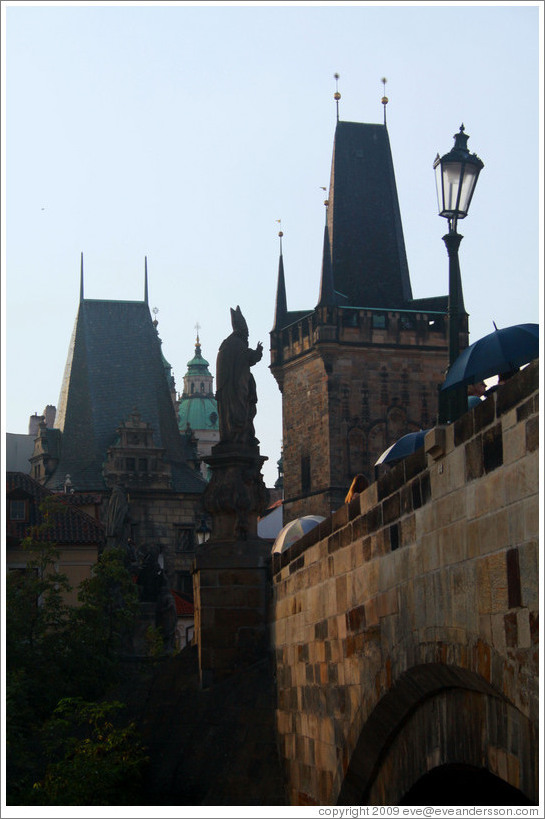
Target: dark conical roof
(367,247)
(281,310)
(327,287)
(115,366)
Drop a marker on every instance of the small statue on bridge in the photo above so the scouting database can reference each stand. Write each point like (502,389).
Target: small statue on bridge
(236,392)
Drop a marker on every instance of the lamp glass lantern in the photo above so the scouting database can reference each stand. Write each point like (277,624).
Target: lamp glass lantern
(456,175)
(203,532)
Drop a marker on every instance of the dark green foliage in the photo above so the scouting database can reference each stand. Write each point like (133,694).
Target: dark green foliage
(95,758)
(57,653)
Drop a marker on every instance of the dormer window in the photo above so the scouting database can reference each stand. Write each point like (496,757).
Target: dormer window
(18,510)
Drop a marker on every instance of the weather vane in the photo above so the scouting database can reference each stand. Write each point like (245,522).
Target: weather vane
(197,328)
(384,99)
(336,95)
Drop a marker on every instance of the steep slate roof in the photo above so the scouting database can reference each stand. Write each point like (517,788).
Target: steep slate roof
(70,526)
(367,247)
(364,262)
(115,366)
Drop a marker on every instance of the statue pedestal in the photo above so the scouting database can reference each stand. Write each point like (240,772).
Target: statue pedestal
(232,586)
(232,571)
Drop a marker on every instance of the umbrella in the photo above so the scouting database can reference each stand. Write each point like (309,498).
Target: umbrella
(294,530)
(498,352)
(403,447)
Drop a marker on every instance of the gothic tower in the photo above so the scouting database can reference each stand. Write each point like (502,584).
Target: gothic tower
(363,367)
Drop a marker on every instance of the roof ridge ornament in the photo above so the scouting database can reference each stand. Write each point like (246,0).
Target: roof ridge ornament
(384,99)
(336,95)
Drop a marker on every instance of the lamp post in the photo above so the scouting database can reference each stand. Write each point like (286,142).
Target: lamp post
(456,175)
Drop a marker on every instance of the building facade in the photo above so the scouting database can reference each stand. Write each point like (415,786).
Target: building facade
(116,429)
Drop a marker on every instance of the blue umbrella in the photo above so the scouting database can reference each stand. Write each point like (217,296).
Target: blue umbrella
(498,352)
(403,447)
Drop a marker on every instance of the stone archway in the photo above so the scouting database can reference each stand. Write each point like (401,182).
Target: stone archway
(462,785)
(440,717)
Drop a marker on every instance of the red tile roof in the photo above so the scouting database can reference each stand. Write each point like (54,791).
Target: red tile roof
(184,608)
(70,526)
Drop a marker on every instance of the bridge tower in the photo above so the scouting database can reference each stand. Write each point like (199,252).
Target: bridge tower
(363,366)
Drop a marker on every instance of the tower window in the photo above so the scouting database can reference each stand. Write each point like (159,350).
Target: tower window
(130,464)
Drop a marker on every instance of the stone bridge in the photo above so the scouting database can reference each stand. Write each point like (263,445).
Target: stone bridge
(405,626)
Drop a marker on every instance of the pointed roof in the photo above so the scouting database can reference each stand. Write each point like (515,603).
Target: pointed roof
(367,246)
(327,287)
(115,365)
(281,309)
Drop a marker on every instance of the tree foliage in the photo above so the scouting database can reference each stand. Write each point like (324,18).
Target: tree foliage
(60,661)
(95,759)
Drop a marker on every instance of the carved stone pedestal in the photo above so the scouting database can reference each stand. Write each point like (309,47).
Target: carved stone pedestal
(232,572)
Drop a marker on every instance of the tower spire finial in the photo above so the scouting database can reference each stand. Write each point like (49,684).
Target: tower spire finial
(280,234)
(384,99)
(81,278)
(336,95)
(146,279)
(281,310)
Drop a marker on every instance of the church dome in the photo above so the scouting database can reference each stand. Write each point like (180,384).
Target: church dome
(198,406)
(199,412)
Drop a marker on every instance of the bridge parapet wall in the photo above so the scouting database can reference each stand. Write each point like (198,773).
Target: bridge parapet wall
(426,582)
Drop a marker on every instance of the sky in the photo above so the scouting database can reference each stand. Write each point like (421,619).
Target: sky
(184,132)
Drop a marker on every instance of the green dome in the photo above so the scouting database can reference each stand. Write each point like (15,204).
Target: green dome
(201,412)
(197,364)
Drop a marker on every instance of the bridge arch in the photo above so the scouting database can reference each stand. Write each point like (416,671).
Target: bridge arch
(442,723)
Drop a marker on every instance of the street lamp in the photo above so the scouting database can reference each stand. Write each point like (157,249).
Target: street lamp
(456,175)
(203,532)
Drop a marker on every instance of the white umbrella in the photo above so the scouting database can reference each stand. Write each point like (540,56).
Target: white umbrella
(294,530)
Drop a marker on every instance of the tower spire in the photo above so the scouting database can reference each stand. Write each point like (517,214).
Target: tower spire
(81,279)
(146,279)
(384,99)
(336,95)
(281,310)
(327,289)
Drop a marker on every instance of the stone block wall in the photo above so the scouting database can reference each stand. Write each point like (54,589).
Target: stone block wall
(433,572)
(348,393)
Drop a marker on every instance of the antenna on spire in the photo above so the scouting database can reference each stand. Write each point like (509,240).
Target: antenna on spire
(336,95)
(146,279)
(81,279)
(280,234)
(384,99)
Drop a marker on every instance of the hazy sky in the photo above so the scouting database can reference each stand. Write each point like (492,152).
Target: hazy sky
(183,132)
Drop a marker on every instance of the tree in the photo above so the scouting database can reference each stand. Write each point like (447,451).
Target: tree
(57,652)
(96,758)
